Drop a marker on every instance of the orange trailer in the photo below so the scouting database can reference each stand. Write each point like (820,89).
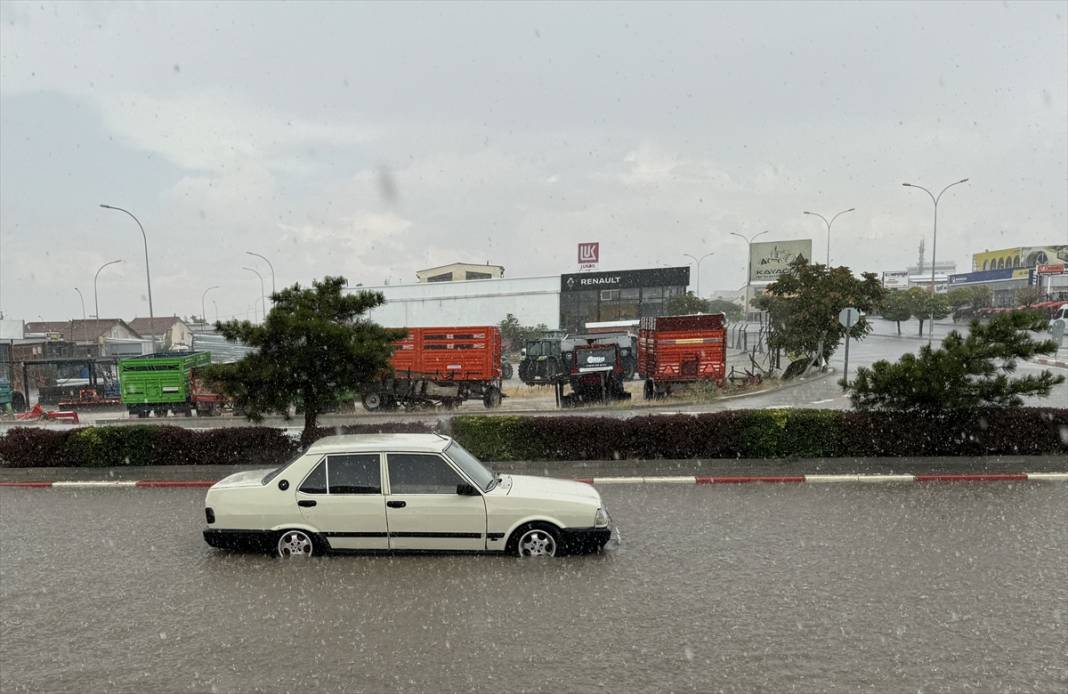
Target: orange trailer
(441,365)
(674,350)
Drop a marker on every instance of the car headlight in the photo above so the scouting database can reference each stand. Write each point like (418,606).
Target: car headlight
(601,519)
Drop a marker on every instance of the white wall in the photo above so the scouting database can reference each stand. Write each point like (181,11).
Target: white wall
(532,300)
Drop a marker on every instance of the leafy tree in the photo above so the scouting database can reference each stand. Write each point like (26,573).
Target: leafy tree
(732,310)
(976,296)
(804,303)
(923,303)
(314,347)
(515,336)
(896,306)
(1028,296)
(959,297)
(965,372)
(684,304)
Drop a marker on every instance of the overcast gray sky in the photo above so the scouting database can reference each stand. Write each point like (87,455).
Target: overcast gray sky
(510,133)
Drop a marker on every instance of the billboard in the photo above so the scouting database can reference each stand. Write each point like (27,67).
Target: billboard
(1020,256)
(896,279)
(589,254)
(981,277)
(769,259)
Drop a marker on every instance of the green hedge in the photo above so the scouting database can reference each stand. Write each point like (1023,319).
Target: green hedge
(162,445)
(767,434)
(730,434)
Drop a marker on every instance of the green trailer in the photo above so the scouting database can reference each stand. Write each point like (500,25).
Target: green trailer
(160,383)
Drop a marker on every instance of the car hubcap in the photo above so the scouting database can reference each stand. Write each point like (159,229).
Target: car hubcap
(537,543)
(294,544)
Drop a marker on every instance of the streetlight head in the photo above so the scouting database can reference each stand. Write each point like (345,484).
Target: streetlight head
(106,207)
(963,180)
(908,185)
(807,212)
(851,209)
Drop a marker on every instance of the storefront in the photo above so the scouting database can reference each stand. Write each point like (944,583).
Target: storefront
(587,297)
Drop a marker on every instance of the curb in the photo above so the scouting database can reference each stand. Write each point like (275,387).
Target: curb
(682,479)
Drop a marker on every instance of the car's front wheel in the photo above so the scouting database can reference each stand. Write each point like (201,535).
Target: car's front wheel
(537,540)
(295,543)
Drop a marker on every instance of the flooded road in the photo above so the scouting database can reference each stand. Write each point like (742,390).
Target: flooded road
(846,588)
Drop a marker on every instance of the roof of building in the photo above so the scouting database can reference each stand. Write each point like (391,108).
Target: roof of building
(82,330)
(154,326)
(459,266)
(352,443)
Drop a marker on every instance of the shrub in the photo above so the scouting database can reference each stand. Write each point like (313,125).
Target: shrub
(772,434)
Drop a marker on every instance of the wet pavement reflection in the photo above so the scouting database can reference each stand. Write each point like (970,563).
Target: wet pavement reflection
(761,588)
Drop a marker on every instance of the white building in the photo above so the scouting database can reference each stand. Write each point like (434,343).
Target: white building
(532,300)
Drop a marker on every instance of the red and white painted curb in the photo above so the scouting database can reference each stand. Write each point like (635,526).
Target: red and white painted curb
(599,481)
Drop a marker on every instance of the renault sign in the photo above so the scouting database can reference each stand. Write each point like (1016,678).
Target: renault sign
(769,259)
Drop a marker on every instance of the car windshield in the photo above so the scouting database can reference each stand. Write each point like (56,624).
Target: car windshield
(533,349)
(472,467)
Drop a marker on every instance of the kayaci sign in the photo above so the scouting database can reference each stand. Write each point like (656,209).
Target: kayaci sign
(769,259)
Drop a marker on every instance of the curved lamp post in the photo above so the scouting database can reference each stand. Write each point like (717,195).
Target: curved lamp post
(263,302)
(203,311)
(749,264)
(148,274)
(96,297)
(829,223)
(264,258)
(697,263)
(934,241)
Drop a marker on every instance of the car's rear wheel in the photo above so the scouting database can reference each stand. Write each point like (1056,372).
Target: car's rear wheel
(537,540)
(295,543)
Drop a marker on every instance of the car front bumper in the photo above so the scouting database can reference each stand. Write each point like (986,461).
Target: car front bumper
(588,539)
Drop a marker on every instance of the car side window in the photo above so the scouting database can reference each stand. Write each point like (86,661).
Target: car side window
(315,483)
(355,474)
(421,473)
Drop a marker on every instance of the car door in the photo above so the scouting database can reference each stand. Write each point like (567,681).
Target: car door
(342,498)
(424,509)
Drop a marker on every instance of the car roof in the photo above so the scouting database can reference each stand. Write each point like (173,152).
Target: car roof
(349,443)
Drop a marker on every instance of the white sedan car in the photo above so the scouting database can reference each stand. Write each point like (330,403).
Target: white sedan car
(401,492)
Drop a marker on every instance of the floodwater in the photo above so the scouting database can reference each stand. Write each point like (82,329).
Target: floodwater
(843,588)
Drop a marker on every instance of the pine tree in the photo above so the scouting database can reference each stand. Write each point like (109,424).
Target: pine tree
(314,347)
(966,372)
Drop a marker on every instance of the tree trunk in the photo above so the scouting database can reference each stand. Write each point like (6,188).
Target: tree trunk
(921,326)
(311,413)
(898,328)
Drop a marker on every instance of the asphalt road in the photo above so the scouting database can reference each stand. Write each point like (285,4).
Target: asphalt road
(779,588)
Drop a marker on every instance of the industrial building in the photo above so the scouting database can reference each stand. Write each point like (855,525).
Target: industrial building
(560,302)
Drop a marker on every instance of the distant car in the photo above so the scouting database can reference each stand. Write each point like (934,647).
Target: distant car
(401,492)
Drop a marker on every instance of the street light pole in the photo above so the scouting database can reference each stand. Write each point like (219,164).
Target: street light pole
(82,299)
(934,243)
(204,311)
(263,303)
(96,297)
(264,258)
(816,214)
(748,265)
(148,274)
(697,264)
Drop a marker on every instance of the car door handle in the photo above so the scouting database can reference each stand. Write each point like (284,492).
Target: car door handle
(306,503)
(396,504)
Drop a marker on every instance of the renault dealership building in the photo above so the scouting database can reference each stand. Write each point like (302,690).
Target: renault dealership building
(560,302)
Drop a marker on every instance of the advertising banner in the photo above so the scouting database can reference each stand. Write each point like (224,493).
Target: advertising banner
(896,279)
(769,259)
(1007,274)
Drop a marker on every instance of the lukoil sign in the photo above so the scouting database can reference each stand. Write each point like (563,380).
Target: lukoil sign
(589,254)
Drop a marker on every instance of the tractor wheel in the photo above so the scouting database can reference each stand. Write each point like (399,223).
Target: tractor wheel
(491,397)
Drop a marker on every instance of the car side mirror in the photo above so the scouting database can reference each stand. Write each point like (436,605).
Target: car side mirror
(466,490)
